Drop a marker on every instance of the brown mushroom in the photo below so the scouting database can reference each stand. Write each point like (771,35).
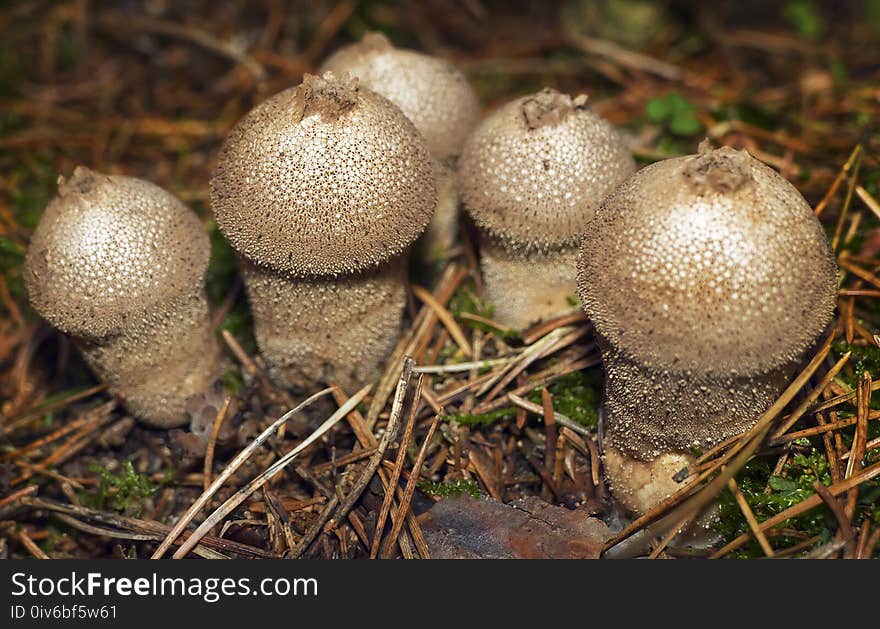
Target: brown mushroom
(707,278)
(436,97)
(532,176)
(119,264)
(321,189)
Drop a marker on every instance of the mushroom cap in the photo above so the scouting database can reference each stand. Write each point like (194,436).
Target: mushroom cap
(322,179)
(430,91)
(711,262)
(110,250)
(534,172)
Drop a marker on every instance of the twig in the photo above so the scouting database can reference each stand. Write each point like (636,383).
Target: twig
(564,420)
(212,442)
(17,495)
(459,367)
(409,491)
(845,528)
(228,471)
(389,436)
(446,318)
(242,494)
(395,473)
(191,34)
(253,370)
(796,414)
(54,406)
(101,531)
(847,202)
(626,57)
(857,452)
(149,527)
(750,517)
(31,546)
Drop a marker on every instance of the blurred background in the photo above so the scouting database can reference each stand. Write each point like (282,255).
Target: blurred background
(150,88)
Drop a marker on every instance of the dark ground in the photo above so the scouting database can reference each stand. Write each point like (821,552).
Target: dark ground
(151,88)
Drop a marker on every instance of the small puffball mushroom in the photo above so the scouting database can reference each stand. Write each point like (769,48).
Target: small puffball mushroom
(119,264)
(439,101)
(707,278)
(532,176)
(322,189)
(430,91)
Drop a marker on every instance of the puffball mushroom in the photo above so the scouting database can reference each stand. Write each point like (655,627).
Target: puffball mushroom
(532,176)
(321,189)
(119,265)
(707,278)
(430,91)
(435,96)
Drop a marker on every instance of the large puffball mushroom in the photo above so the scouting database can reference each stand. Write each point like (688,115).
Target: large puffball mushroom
(532,176)
(119,265)
(707,278)
(439,101)
(322,189)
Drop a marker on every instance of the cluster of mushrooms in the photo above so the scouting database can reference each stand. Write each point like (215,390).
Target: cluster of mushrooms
(707,278)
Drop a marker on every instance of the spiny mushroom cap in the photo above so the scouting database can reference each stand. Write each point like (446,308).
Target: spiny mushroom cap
(711,262)
(111,250)
(322,179)
(429,91)
(534,172)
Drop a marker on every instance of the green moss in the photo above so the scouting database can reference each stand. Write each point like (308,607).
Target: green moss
(31,185)
(576,395)
(54,537)
(482,419)
(131,489)
(787,490)
(222,274)
(466,300)
(232,382)
(456,487)
(864,358)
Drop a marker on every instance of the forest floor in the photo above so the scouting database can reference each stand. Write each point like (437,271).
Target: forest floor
(142,89)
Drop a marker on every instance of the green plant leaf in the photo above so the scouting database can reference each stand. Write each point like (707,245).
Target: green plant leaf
(657,109)
(684,123)
(805,17)
(780,483)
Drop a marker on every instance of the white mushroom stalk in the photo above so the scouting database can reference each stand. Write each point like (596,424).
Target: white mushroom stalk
(707,278)
(119,265)
(322,189)
(532,176)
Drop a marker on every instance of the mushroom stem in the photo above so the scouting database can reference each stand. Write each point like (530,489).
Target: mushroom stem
(327,329)
(161,362)
(661,410)
(442,233)
(655,419)
(524,288)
